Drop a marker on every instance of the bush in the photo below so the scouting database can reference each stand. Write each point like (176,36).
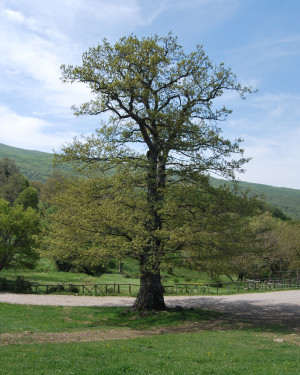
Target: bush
(56,288)
(5,285)
(21,285)
(73,289)
(68,266)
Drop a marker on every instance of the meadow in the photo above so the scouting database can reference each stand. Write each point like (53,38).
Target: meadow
(50,340)
(39,340)
(46,272)
(45,279)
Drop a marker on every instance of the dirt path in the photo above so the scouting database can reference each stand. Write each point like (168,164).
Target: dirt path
(289,298)
(273,309)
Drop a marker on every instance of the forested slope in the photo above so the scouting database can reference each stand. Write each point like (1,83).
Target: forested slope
(38,166)
(35,165)
(287,200)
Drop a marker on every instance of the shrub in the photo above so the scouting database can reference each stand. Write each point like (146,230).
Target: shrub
(56,288)
(21,285)
(73,289)
(5,285)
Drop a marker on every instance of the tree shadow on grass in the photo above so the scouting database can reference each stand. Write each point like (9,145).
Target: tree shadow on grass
(214,314)
(118,317)
(241,314)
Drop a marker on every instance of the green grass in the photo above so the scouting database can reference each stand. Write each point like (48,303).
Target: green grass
(46,272)
(250,351)
(215,353)
(19,318)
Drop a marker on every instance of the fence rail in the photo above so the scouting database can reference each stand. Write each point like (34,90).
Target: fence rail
(178,288)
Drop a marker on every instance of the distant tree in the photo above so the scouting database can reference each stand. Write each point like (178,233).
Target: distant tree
(12,182)
(281,245)
(163,101)
(28,198)
(275,251)
(18,230)
(49,188)
(7,168)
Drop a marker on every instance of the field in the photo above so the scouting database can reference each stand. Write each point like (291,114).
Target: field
(40,340)
(85,340)
(45,279)
(46,272)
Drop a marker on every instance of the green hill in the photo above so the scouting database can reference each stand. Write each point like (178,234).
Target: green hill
(37,165)
(286,199)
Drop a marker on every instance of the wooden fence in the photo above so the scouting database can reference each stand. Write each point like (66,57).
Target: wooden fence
(179,288)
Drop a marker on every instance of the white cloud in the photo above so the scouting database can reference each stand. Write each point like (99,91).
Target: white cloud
(37,37)
(271,131)
(30,132)
(275,162)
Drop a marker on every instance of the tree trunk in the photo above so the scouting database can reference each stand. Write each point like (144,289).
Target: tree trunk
(151,293)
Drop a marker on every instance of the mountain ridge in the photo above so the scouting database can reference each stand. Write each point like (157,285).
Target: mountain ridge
(38,165)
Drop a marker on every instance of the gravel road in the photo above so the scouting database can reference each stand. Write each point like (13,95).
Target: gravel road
(253,309)
(273,300)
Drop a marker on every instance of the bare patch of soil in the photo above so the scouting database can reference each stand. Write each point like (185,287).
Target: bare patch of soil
(267,310)
(218,324)
(67,337)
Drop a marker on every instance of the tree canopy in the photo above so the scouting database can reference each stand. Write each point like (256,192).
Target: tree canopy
(149,195)
(18,230)
(12,182)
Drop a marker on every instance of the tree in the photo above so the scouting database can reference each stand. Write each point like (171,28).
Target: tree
(12,182)
(7,168)
(18,230)
(160,140)
(275,249)
(280,245)
(28,198)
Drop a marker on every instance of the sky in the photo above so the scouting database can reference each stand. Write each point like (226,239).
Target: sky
(258,39)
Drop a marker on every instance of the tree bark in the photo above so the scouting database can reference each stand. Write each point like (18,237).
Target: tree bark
(151,293)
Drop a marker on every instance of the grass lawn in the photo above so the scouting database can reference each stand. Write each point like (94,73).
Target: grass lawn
(20,318)
(224,353)
(46,272)
(229,352)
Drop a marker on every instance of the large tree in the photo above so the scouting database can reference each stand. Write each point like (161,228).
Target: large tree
(161,138)
(19,228)
(12,182)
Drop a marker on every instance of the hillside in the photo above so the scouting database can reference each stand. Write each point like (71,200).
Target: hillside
(286,199)
(37,165)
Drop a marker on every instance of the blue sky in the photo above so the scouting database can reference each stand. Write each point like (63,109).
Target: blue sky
(258,39)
